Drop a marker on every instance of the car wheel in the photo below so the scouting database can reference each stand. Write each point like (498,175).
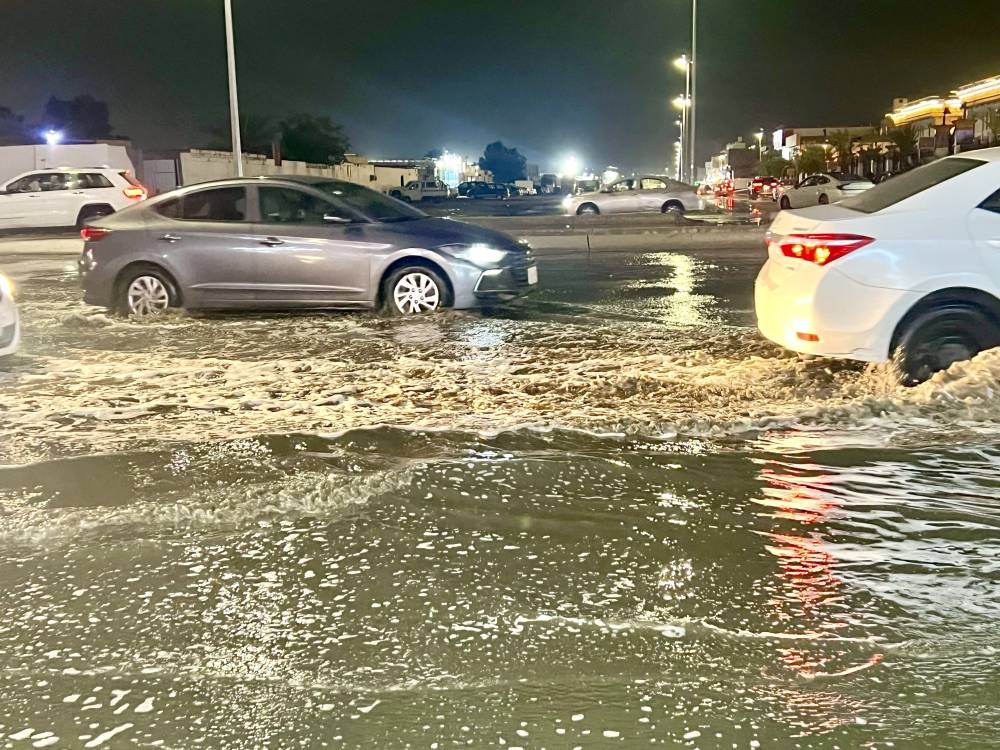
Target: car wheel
(146,290)
(413,290)
(785,203)
(823,199)
(91,213)
(588,209)
(672,207)
(937,338)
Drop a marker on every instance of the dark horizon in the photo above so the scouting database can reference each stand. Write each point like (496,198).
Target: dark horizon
(590,78)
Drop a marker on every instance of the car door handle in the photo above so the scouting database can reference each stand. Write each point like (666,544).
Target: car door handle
(272,241)
(170,238)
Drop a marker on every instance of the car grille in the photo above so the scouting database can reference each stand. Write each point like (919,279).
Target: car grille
(7,334)
(519,263)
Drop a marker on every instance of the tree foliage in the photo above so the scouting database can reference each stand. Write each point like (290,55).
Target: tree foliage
(773,165)
(316,140)
(13,128)
(506,164)
(81,118)
(904,141)
(843,145)
(810,160)
(257,134)
(434,153)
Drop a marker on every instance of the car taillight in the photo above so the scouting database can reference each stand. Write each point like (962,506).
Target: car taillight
(93,234)
(135,192)
(821,248)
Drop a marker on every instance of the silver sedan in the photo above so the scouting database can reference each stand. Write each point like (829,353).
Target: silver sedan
(649,193)
(295,242)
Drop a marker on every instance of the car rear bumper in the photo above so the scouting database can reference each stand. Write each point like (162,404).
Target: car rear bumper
(818,310)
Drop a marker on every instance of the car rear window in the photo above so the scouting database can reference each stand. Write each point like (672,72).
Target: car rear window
(92,180)
(130,179)
(908,184)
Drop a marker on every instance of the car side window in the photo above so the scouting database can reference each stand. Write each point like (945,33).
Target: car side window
(214,204)
(38,183)
(822,180)
(288,206)
(91,181)
(992,203)
(651,184)
(808,182)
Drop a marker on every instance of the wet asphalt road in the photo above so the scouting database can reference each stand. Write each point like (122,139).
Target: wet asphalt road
(609,516)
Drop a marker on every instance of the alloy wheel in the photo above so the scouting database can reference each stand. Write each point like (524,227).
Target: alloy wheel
(416,293)
(147,295)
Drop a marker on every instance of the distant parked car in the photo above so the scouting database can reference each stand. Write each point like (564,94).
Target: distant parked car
(295,242)
(649,193)
(480,189)
(10,327)
(763,186)
(425,190)
(66,197)
(820,189)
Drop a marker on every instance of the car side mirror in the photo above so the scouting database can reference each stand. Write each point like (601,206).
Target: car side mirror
(334,219)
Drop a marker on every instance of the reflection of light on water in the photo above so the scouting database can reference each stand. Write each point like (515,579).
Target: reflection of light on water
(809,599)
(684,306)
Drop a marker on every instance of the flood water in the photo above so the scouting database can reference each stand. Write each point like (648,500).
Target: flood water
(611,516)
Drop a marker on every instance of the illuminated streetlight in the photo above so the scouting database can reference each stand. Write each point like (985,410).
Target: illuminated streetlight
(682,102)
(759,135)
(571,166)
(52,137)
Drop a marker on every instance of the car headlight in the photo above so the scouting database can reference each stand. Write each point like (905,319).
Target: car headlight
(478,255)
(7,288)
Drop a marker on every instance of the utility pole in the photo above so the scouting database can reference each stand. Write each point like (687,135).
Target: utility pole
(234,105)
(692,121)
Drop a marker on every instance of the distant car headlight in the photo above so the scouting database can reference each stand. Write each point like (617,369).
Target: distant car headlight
(477,255)
(7,288)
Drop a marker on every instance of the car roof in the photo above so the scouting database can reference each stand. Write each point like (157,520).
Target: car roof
(53,170)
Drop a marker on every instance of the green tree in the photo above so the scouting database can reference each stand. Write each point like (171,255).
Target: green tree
(13,128)
(904,143)
(506,164)
(257,134)
(810,160)
(991,119)
(773,165)
(312,139)
(82,118)
(843,146)
(434,153)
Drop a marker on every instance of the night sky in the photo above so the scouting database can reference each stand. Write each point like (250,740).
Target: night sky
(551,77)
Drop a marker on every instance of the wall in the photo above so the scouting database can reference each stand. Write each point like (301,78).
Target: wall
(202,166)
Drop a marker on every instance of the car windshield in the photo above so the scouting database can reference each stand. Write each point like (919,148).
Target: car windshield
(908,184)
(373,206)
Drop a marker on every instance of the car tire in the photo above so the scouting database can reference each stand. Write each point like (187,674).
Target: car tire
(823,199)
(414,290)
(935,338)
(785,203)
(588,209)
(144,290)
(92,213)
(672,207)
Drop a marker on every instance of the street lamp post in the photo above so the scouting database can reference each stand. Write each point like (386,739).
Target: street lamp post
(759,135)
(694,87)
(683,103)
(234,106)
(684,64)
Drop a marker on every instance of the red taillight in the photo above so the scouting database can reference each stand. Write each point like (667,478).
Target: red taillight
(93,234)
(821,248)
(135,192)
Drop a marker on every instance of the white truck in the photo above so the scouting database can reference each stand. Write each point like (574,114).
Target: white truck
(423,190)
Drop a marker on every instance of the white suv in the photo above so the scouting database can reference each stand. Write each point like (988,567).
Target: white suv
(66,197)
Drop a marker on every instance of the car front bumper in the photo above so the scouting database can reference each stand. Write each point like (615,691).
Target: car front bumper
(10,328)
(821,311)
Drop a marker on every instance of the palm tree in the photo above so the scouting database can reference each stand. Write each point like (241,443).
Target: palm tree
(841,142)
(904,141)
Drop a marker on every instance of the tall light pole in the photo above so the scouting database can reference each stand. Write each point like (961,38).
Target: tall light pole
(683,103)
(234,105)
(684,64)
(694,87)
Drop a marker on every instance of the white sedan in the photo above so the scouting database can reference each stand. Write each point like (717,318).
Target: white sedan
(909,269)
(820,189)
(10,329)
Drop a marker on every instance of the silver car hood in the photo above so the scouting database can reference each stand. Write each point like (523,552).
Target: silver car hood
(434,232)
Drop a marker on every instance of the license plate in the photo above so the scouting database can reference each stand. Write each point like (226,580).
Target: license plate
(533,275)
